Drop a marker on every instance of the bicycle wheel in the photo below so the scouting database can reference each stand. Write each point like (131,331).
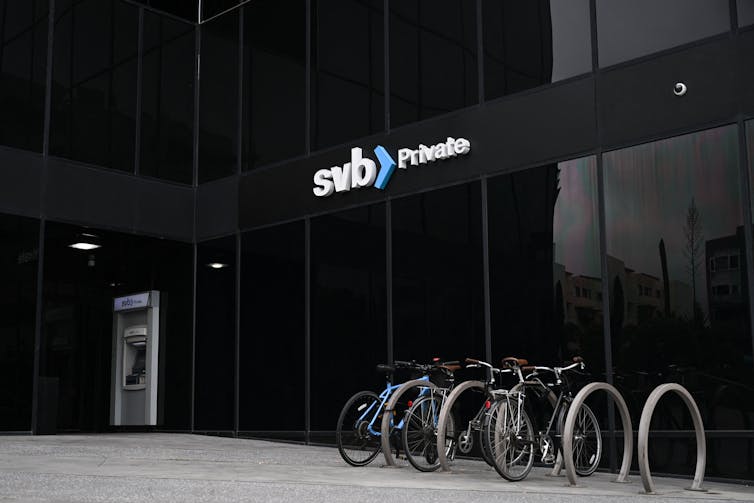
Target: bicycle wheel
(419,434)
(484,444)
(587,440)
(510,438)
(356,445)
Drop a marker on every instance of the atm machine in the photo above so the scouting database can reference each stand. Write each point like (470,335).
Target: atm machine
(136,338)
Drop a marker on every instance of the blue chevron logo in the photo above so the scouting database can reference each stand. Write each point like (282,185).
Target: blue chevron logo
(387,166)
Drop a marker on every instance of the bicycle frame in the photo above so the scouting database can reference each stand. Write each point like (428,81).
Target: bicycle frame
(384,397)
(564,397)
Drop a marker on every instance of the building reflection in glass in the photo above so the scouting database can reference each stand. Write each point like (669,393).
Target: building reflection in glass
(577,275)
(678,299)
(545,286)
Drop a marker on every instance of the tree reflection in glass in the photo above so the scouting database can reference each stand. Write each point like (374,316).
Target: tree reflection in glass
(677,277)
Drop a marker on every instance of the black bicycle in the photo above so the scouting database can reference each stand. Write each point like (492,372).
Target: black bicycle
(509,432)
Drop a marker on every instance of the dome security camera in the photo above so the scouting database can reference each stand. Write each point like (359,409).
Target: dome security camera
(679,89)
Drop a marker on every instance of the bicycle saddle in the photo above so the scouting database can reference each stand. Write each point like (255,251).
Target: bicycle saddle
(385,368)
(512,361)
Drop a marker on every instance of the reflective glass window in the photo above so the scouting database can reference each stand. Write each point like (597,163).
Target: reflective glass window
(273,328)
(530,43)
(745,12)
(546,291)
(187,9)
(94,82)
(23,61)
(348,310)
(19,260)
(218,100)
(545,270)
(212,8)
(215,371)
(167,98)
(437,275)
(274,81)
(433,58)
(76,354)
(679,311)
(627,30)
(348,98)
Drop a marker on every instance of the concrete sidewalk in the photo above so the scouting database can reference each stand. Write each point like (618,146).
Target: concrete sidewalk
(180,468)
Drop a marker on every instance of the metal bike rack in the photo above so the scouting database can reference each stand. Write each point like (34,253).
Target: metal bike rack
(570,422)
(442,424)
(643,442)
(446,411)
(387,415)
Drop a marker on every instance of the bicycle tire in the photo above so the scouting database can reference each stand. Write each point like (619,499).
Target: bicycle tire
(356,445)
(484,445)
(510,440)
(389,431)
(587,440)
(419,433)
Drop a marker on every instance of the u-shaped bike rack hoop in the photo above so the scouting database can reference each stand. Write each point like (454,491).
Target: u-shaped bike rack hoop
(570,422)
(388,414)
(442,423)
(643,442)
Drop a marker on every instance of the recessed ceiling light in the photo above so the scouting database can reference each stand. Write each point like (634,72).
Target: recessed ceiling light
(84,246)
(217,265)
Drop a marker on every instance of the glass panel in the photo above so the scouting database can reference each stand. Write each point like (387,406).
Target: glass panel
(76,354)
(94,82)
(545,270)
(347,85)
(187,9)
(218,101)
(437,275)
(214,7)
(167,103)
(673,209)
(274,81)
(433,58)
(23,61)
(627,30)
(745,12)
(19,259)
(272,330)
(527,44)
(215,334)
(349,312)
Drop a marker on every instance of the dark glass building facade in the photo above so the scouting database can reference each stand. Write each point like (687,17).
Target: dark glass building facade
(601,210)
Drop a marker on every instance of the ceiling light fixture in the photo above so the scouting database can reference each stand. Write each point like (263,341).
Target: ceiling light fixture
(84,246)
(86,242)
(217,265)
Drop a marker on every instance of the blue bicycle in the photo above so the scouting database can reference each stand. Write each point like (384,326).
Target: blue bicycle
(358,431)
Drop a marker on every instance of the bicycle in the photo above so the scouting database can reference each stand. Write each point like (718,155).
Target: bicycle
(358,434)
(464,441)
(510,434)
(419,431)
